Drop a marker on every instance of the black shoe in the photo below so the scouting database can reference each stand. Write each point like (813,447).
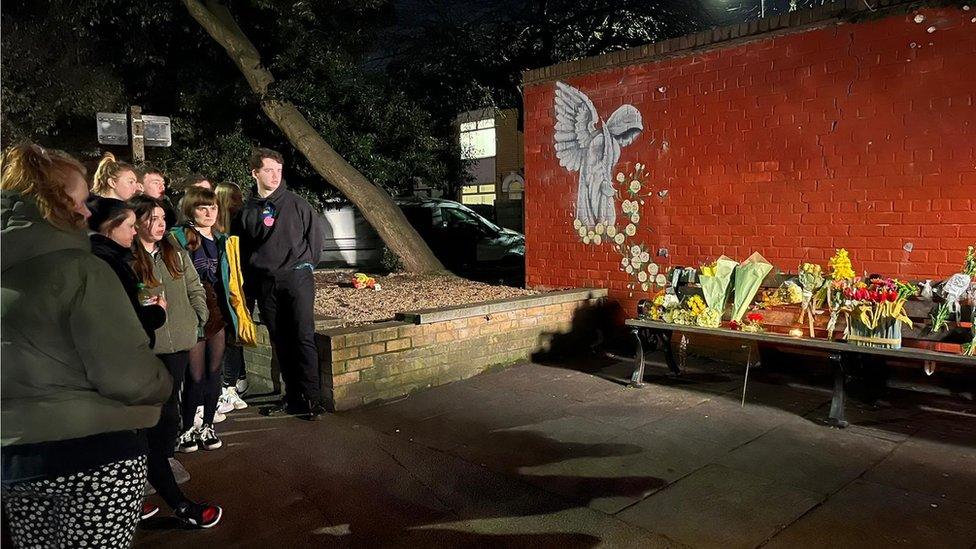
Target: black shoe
(315,410)
(199,515)
(282,408)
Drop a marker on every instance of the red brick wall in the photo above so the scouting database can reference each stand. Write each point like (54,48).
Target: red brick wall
(856,135)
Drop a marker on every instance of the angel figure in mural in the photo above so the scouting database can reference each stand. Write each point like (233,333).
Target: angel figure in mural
(593,152)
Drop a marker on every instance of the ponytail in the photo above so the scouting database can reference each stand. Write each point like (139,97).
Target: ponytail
(43,175)
(108,168)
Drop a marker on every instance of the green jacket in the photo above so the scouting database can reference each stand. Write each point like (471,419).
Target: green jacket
(179,233)
(76,361)
(186,311)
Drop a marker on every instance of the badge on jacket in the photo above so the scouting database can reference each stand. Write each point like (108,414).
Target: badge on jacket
(268,215)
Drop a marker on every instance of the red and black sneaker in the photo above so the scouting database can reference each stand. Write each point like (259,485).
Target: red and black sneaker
(199,515)
(148,510)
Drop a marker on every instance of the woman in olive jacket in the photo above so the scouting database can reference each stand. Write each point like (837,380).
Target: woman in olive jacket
(164,268)
(78,379)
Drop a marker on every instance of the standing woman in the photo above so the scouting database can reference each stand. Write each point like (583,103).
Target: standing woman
(230,200)
(78,379)
(113,225)
(163,267)
(208,249)
(115,179)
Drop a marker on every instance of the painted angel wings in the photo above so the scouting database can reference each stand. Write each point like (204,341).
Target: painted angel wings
(593,152)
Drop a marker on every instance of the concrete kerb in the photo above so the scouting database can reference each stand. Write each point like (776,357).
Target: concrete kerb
(429,316)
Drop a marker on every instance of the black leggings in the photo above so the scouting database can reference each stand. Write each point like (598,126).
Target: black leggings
(203,384)
(162,437)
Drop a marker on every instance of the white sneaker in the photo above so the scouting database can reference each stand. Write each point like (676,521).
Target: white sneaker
(198,419)
(242,386)
(224,406)
(231,397)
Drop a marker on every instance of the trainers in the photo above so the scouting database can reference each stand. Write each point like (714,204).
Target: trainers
(148,510)
(198,419)
(189,441)
(180,474)
(280,409)
(315,410)
(242,386)
(199,515)
(230,401)
(208,438)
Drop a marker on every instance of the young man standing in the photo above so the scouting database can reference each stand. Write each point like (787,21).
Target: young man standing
(280,246)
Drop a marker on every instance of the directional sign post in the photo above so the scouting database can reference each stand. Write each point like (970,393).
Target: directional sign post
(145,130)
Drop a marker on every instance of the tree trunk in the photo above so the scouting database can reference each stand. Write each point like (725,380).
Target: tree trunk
(375,203)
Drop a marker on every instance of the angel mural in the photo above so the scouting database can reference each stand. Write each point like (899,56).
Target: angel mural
(593,152)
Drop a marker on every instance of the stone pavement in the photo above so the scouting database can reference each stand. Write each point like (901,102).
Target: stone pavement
(567,456)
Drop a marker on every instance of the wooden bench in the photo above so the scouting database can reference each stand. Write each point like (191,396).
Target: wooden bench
(842,356)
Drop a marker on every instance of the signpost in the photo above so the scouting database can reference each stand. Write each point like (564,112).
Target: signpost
(146,130)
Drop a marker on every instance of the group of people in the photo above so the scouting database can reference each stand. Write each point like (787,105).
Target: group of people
(122,324)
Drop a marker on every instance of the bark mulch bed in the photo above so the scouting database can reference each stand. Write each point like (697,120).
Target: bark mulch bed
(335,298)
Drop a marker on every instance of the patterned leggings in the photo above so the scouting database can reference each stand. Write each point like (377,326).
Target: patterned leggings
(95,508)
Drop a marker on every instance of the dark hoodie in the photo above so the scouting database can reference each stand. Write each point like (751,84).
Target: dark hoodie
(119,258)
(78,376)
(278,233)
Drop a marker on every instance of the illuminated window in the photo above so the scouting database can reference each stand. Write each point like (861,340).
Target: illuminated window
(478,139)
(478,194)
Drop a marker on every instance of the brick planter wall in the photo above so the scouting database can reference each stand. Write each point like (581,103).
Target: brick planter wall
(427,348)
(790,136)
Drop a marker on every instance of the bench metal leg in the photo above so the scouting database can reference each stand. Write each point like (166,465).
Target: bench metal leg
(837,416)
(637,378)
(665,340)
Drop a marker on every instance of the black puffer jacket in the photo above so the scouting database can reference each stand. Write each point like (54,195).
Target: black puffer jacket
(120,258)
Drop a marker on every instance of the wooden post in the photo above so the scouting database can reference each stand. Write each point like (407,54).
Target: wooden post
(138,141)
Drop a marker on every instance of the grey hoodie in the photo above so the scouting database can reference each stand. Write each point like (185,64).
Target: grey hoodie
(76,361)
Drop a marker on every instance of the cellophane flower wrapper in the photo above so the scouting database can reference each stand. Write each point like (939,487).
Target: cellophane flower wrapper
(715,288)
(748,278)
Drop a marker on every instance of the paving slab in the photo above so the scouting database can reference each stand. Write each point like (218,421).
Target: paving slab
(942,469)
(809,456)
(721,507)
(868,515)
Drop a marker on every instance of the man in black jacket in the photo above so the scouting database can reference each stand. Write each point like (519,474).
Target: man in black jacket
(280,246)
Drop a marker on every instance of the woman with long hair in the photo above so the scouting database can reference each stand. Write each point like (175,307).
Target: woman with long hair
(74,460)
(115,179)
(207,247)
(113,225)
(166,269)
(230,200)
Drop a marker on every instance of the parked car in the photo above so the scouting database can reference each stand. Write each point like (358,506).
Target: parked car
(466,243)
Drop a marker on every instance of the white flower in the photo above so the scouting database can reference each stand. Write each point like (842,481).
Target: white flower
(597,239)
(645,257)
(577,224)
(590,235)
(581,231)
(638,166)
(635,186)
(642,276)
(611,231)
(644,286)
(600,227)
(635,217)
(624,262)
(661,279)
(630,270)
(635,250)
(652,269)
(631,229)
(619,239)
(620,177)
(635,264)
(625,206)
(586,240)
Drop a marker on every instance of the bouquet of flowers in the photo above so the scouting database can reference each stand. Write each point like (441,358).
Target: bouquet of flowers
(714,279)
(752,323)
(841,280)
(811,279)
(788,293)
(953,289)
(748,278)
(877,313)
